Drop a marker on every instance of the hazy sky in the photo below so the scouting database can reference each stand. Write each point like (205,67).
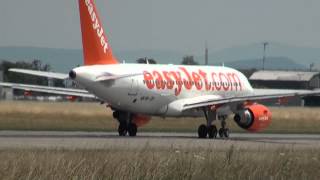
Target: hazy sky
(179,25)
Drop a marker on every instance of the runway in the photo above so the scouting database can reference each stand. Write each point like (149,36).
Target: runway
(108,140)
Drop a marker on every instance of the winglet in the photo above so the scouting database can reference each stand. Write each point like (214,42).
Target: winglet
(96,48)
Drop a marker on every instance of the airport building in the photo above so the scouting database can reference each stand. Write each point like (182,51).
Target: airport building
(285,79)
(289,80)
(5,93)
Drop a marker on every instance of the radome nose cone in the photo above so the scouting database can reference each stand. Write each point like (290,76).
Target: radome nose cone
(72,74)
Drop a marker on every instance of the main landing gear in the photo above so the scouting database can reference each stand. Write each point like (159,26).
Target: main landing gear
(126,126)
(210,130)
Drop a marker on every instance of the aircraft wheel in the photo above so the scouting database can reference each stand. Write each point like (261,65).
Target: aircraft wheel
(226,132)
(212,131)
(115,114)
(122,129)
(221,132)
(202,131)
(132,129)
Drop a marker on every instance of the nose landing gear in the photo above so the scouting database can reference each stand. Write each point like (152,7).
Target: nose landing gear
(224,131)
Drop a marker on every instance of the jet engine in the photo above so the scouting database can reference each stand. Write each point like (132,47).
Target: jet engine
(140,120)
(253,118)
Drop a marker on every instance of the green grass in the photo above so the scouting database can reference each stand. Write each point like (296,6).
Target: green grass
(23,115)
(148,163)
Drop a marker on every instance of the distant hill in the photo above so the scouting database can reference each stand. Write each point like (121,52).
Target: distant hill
(63,60)
(271,63)
(279,56)
(300,55)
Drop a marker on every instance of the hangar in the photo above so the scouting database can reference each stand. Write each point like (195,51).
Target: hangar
(289,80)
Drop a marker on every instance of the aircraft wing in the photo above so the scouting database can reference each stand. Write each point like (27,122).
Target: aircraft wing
(41,73)
(51,90)
(259,94)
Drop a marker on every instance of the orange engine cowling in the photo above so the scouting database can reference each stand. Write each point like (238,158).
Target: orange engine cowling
(254,118)
(140,120)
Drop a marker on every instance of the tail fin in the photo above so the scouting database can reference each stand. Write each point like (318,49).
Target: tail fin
(96,48)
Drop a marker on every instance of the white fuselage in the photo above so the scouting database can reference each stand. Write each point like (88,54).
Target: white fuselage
(158,89)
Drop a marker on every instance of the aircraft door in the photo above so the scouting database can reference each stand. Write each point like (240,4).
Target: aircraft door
(133,91)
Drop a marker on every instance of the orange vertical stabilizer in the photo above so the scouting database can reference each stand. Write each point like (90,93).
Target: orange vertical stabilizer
(96,48)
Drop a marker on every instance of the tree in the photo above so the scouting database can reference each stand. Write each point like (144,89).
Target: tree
(189,60)
(144,61)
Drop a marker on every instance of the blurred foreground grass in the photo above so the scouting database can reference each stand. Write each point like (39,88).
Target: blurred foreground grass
(148,163)
(22,115)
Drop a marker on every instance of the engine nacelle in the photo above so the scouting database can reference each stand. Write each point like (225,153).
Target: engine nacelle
(140,120)
(254,118)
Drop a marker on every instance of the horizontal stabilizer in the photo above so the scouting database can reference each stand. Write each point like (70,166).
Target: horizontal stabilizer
(50,90)
(41,73)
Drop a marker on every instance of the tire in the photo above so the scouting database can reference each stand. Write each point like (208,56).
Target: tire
(226,132)
(212,131)
(202,131)
(122,129)
(115,114)
(221,133)
(132,129)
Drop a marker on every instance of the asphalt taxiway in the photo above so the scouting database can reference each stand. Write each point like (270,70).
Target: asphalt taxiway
(109,140)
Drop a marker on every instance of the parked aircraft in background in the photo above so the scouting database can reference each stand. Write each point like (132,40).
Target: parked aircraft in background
(135,92)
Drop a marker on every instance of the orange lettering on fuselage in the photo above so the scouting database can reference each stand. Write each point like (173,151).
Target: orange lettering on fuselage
(204,76)
(169,81)
(187,82)
(148,78)
(220,81)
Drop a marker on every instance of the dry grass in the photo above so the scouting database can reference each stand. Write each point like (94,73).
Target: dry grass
(22,115)
(19,115)
(147,162)
(295,119)
(160,164)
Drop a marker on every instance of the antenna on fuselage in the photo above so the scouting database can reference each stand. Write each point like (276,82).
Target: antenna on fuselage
(206,54)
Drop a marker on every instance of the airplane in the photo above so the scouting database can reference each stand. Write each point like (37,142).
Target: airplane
(136,92)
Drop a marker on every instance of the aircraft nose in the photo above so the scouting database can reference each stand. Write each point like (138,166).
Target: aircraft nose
(72,74)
